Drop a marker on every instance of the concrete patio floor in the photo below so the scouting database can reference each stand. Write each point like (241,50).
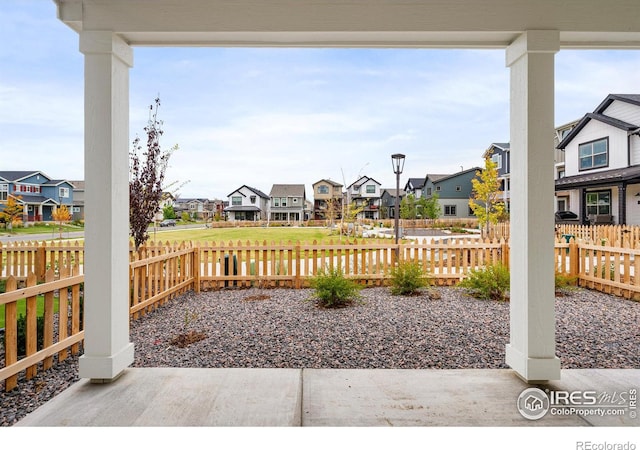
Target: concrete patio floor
(174,397)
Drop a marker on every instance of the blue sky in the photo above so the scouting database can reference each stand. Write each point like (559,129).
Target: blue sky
(263,116)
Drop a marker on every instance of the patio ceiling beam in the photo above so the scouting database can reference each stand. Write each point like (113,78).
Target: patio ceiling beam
(356,23)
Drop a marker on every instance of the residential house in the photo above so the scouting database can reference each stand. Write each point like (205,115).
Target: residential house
(366,193)
(327,200)
(38,193)
(197,208)
(247,203)
(287,202)
(77,212)
(453,192)
(429,188)
(500,154)
(601,182)
(388,202)
(562,202)
(414,186)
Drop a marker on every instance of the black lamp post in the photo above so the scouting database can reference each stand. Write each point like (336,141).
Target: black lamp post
(397,160)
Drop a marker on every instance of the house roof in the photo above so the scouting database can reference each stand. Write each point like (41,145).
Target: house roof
(78,185)
(34,199)
(599,178)
(54,182)
(598,115)
(435,177)
(365,178)
(332,183)
(392,192)
(17,175)
(504,146)
(239,208)
(257,191)
(189,200)
(287,190)
(457,174)
(416,183)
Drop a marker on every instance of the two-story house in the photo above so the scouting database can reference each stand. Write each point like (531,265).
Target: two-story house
(327,200)
(602,163)
(500,154)
(38,193)
(365,193)
(388,202)
(429,188)
(77,213)
(287,202)
(414,186)
(247,203)
(453,192)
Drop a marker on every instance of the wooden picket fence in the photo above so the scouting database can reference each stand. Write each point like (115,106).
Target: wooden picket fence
(21,258)
(628,235)
(161,271)
(61,334)
(293,264)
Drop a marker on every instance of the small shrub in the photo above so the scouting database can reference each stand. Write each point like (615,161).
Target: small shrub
(407,278)
(488,283)
(333,290)
(564,283)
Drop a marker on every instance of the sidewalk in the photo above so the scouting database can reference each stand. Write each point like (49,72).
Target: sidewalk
(322,397)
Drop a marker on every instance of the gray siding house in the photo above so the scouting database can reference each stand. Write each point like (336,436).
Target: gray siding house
(454,192)
(288,202)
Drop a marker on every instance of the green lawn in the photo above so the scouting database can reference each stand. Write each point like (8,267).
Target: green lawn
(260,234)
(22,308)
(41,229)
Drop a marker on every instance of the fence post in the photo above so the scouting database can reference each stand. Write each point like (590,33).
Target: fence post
(574,259)
(504,249)
(298,265)
(41,262)
(196,266)
(11,334)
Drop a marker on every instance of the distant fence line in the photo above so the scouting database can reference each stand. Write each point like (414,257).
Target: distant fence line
(161,271)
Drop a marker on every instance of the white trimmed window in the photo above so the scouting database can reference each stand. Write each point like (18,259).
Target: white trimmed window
(594,154)
(449,210)
(497,159)
(63,192)
(4,191)
(236,201)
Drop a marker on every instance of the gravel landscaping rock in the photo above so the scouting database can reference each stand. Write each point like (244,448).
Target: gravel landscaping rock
(281,328)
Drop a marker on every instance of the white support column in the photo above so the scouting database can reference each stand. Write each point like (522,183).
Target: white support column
(107,350)
(531,351)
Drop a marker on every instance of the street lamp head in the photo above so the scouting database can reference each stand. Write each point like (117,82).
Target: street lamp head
(397,160)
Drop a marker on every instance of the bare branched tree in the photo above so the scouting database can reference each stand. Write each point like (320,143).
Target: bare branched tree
(146,178)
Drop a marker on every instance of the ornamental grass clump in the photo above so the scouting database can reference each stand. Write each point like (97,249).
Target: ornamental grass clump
(333,289)
(407,278)
(488,283)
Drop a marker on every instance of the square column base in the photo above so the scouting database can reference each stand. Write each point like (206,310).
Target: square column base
(532,370)
(105,369)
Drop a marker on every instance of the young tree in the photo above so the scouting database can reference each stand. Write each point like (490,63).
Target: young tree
(409,207)
(485,199)
(12,212)
(146,178)
(429,208)
(61,215)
